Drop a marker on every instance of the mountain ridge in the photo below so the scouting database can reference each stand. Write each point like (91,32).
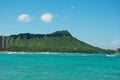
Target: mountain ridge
(54,34)
(59,41)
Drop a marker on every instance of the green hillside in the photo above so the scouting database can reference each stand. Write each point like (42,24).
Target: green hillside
(59,41)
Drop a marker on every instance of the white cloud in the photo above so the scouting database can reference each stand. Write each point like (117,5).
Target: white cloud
(72,7)
(107,45)
(116,42)
(101,43)
(47,17)
(24,18)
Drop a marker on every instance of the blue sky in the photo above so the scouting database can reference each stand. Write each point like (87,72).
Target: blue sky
(94,21)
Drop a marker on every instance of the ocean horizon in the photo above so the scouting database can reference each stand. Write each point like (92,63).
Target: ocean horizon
(58,66)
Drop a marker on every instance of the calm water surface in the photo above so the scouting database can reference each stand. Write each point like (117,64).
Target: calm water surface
(59,66)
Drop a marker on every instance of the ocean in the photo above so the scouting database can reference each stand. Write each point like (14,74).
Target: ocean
(59,66)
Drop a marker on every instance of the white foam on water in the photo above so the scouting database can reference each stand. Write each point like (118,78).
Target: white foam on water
(111,55)
(83,54)
(45,52)
(48,53)
(9,52)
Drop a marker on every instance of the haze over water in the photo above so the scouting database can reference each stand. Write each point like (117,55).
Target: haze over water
(58,66)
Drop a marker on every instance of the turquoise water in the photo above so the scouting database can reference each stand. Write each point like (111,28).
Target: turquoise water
(59,66)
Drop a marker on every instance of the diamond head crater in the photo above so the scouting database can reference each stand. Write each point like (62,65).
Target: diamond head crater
(59,41)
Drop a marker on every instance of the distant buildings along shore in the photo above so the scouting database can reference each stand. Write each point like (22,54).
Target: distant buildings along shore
(3,42)
(118,50)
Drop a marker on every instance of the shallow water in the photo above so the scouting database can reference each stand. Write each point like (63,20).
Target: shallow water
(59,66)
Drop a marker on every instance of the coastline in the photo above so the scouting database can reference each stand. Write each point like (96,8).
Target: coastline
(29,52)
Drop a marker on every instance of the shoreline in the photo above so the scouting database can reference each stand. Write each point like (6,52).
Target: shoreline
(31,52)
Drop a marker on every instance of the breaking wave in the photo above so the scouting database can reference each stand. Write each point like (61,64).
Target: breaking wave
(29,53)
(111,55)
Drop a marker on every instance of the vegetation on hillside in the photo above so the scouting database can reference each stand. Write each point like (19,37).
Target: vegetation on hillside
(59,41)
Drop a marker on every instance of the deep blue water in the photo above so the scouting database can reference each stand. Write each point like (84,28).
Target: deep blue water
(59,66)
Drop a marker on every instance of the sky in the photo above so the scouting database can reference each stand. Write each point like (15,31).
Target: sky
(96,22)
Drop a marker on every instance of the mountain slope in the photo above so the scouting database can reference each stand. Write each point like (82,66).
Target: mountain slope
(59,41)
